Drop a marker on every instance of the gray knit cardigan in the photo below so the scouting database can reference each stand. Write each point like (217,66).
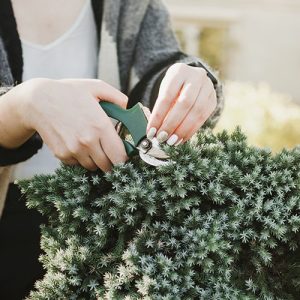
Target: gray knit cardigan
(137,45)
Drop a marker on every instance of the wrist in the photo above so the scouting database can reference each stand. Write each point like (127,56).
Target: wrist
(13,131)
(29,93)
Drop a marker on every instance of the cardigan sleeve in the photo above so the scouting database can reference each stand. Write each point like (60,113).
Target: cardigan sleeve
(157,49)
(32,145)
(22,153)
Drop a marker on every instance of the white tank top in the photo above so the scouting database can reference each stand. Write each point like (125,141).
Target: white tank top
(72,55)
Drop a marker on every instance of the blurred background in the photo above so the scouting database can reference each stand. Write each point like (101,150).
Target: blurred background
(255,46)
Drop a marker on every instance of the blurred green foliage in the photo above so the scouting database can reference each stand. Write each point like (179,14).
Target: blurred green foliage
(269,119)
(213,48)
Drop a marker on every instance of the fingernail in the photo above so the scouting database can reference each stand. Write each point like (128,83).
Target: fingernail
(172,140)
(162,137)
(151,133)
(178,143)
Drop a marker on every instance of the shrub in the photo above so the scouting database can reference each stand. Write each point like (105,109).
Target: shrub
(221,222)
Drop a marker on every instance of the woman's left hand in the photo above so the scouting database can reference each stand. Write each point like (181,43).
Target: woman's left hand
(186,100)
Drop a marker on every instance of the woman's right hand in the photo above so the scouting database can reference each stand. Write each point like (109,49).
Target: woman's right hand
(69,119)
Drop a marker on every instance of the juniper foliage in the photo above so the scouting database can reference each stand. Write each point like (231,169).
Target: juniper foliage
(221,223)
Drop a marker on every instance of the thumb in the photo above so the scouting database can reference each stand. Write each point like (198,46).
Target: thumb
(105,92)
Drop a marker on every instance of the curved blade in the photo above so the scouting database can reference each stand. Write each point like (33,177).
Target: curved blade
(153,161)
(152,148)
(154,156)
(156,151)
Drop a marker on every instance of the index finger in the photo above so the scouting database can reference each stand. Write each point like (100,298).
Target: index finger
(169,91)
(104,91)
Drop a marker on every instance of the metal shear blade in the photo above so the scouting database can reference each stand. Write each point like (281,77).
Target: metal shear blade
(153,161)
(151,153)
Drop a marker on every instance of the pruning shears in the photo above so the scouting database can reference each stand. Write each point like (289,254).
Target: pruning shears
(135,121)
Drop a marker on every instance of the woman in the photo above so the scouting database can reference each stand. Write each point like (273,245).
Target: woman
(110,49)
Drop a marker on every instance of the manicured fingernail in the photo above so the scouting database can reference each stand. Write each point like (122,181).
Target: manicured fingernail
(162,137)
(151,133)
(172,140)
(178,143)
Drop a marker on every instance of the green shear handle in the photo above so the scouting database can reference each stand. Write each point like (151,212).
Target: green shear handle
(133,119)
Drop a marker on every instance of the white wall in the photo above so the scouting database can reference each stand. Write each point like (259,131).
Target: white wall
(265,34)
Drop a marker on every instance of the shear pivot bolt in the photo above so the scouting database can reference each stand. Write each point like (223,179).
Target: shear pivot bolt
(146,144)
